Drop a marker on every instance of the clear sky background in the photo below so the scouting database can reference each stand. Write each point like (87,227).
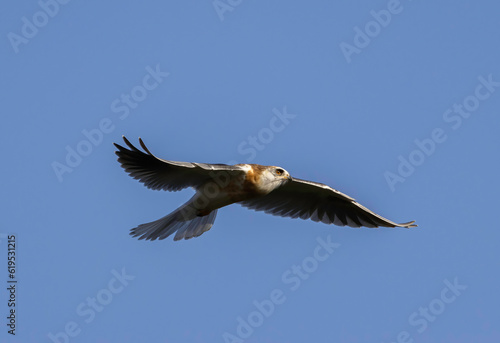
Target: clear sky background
(400,112)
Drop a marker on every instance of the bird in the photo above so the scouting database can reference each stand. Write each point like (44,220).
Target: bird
(262,188)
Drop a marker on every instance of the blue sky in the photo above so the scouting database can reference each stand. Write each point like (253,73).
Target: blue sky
(394,103)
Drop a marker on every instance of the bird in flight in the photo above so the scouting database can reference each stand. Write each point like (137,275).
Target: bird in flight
(262,188)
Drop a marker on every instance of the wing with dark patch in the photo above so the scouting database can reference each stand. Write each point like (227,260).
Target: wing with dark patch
(319,202)
(156,173)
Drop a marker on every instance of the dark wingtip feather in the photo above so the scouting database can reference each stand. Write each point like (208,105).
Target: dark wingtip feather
(144,146)
(130,145)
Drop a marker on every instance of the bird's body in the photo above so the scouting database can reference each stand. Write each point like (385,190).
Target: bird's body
(262,188)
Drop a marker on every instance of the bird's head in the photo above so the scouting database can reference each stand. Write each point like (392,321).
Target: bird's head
(274,177)
(280,173)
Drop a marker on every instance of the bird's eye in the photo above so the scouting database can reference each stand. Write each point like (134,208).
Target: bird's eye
(279,171)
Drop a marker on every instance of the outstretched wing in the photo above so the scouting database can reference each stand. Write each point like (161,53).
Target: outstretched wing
(157,174)
(305,199)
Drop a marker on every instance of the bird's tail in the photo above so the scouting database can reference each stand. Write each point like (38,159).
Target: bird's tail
(184,222)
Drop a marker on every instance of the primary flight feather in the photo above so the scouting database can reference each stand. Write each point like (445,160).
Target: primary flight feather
(262,188)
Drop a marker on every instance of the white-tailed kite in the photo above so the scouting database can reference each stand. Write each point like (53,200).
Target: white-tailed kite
(262,188)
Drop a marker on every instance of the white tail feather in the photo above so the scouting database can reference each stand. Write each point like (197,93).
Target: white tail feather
(178,221)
